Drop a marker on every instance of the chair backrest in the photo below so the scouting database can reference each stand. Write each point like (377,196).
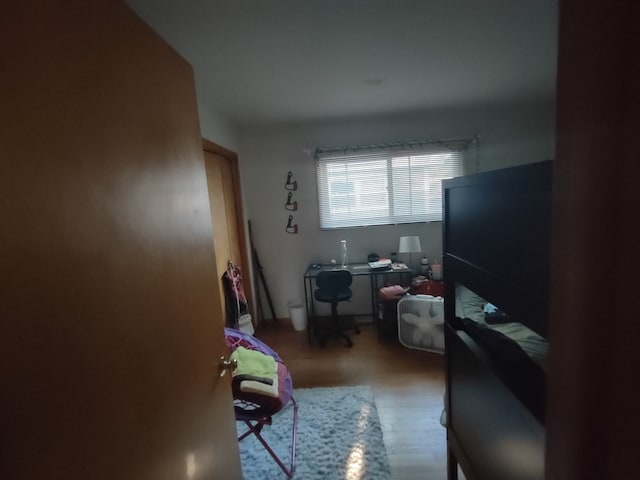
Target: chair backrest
(333,280)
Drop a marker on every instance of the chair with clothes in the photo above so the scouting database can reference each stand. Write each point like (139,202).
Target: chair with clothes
(261,387)
(334,287)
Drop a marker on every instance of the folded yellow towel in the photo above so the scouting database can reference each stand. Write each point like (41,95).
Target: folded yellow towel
(254,363)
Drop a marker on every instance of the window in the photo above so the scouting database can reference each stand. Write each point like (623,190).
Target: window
(384,187)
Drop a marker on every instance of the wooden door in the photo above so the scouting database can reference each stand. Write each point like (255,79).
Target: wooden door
(593,382)
(226,215)
(110,336)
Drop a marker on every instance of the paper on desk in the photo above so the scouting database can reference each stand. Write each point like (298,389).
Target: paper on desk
(382,263)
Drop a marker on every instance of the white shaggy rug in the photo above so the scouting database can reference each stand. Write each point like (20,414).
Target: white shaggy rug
(339,438)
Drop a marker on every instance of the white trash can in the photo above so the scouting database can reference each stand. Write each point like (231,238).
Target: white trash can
(298,316)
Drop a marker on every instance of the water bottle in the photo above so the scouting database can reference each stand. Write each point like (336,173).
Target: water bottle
(344,253)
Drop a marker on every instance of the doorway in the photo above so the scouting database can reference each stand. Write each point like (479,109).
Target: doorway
(227,219)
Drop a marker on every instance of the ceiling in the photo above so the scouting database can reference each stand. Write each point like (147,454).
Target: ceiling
(263,61)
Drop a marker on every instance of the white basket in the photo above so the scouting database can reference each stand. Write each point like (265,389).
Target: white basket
(421,322)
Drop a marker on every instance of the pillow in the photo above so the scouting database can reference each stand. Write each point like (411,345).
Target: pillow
(469,305)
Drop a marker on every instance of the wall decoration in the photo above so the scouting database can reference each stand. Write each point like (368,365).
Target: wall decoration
(291,185)
(291,228)
(293,206)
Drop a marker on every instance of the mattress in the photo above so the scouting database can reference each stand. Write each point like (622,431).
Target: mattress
(472,306)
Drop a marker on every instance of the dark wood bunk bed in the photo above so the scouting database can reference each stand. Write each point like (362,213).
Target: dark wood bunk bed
(496,239)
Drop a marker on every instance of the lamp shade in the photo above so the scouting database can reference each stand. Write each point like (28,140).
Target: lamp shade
(409,244)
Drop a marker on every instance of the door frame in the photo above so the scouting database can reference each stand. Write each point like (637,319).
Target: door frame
(247,272)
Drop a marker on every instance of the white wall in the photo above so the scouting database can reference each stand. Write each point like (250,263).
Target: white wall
(508,136)
(214,127)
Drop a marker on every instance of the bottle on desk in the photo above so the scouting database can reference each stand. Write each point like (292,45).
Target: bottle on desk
(425,268)
(436,272)
(343,248)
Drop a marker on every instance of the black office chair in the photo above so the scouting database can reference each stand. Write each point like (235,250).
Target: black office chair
(333,287)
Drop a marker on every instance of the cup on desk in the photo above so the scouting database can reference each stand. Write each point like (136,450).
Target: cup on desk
(436,271)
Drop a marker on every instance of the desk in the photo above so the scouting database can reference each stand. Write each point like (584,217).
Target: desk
(356,269)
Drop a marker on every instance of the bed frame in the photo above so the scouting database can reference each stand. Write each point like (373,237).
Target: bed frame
(496,239)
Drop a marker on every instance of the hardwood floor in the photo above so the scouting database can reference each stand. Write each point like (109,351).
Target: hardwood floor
(408,386)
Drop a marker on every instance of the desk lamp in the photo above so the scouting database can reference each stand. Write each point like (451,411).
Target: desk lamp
(409,245)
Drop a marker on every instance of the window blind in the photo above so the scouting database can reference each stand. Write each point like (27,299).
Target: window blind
(384,187)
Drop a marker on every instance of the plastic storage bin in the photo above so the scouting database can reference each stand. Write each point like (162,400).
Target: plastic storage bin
(421,322)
